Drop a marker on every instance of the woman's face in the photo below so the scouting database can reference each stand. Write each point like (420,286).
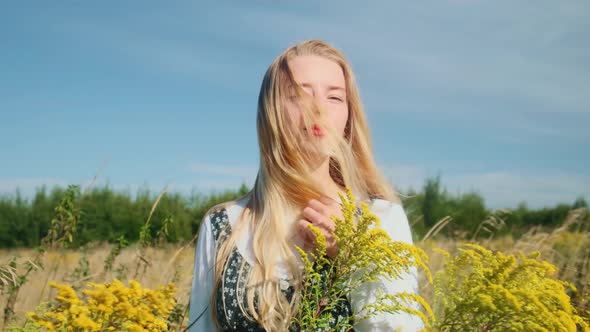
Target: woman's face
(324,81)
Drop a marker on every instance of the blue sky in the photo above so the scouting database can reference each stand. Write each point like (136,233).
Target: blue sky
(493,95)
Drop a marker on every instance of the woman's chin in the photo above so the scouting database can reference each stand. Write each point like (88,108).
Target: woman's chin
(317,152)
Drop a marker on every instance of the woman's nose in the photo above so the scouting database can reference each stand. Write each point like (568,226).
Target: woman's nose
(320,103)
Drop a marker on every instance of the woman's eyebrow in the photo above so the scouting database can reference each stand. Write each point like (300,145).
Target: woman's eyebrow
(330,87)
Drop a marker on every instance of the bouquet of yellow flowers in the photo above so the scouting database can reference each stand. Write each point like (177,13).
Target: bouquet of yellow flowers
(365,254)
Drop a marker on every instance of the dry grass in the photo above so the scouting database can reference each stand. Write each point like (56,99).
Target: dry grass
(567,247)
(164,265)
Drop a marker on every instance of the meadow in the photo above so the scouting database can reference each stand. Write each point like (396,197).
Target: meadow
(154,260)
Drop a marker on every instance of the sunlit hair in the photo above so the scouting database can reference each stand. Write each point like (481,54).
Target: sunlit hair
(284,186)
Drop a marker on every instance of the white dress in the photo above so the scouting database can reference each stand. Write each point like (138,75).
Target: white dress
(393,220)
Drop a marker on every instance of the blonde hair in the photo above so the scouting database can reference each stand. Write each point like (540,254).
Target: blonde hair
(284,186)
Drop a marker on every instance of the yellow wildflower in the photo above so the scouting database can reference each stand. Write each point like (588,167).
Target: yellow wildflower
(110,306)
(483,290)
(365,253)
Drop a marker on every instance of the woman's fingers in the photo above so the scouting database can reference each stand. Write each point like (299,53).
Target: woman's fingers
(318,212)
(319,220)
(307,235)
(313,215)
(318,206)
(328,207)
(329,202)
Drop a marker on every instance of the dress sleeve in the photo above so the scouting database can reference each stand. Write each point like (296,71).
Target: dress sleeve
(202,285)
(395,222)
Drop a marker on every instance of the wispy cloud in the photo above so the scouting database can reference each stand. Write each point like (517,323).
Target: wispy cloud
(201,186)
(506,189)
(499,188)
(531,56)
(220,169)
(206,52)
(28,186)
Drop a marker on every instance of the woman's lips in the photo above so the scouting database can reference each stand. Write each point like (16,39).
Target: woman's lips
(317,131)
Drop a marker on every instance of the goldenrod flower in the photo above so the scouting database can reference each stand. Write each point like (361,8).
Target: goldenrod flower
(107,307)
(483,290)
(365,253)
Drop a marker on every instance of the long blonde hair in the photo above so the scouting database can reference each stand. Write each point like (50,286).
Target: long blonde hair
(283,185)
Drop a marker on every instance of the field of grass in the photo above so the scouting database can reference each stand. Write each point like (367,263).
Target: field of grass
(152,267)
(567,247)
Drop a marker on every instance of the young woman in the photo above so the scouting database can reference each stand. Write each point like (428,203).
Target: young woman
(314,141)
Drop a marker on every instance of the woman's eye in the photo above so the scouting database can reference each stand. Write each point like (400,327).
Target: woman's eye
(336,98)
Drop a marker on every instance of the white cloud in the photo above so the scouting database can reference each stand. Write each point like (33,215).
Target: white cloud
(404,177)
(222,184)
(499,188)
(507,189)
(28,186)
(218,169)
(201,186)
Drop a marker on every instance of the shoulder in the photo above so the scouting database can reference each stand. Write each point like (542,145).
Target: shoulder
(223,214)
(393,219)
(382,206)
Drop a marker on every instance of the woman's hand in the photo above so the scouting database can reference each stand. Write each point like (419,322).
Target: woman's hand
(318,212)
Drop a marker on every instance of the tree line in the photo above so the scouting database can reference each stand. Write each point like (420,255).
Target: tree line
(108,215)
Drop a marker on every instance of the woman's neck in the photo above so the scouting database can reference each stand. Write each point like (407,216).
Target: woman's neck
(321,174)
